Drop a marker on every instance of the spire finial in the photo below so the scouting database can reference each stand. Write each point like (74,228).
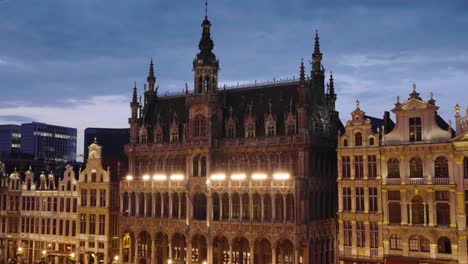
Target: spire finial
(317,43)
(357,104)
(206,8)
(457,109)
(414,87)
(95,140)
(302,72)
(332,84)
(135,94)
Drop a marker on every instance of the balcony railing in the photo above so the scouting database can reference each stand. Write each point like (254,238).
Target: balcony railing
(417,181)
(441,181)
(374,252)
(393,181)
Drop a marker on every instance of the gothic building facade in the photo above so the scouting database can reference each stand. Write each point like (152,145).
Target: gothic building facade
(238,175)
(403,187)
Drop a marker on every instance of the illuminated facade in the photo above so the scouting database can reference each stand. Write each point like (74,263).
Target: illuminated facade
(402,188)
(231,175)
(62,220)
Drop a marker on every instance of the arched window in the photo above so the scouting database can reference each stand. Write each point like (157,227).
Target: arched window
(240,251)
(393,168)
(220,250)
(225,206)
(199,126)
(419,243)
(358,139)
(235,206)
(157,136)
(199,166)
(158,205)
(144,245)
(262,251)
(175,205)
(267,208)
(345,142)
(179,248)
(371,141)
(416,168)
(441,167)
(68,185)
(289,208)
(183,207)
(165,201)
(257,207)
(395,242)
(444,245)
(245,206)
(216,207)
(93,176)
(285,252)
(199,250)
(278,207)
(418,211)
(199,206)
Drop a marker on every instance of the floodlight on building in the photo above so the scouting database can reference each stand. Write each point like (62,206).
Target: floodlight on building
(281,176)
(238,176)
(177,177)
(129,177)
(159,177)
(146,177)
(169,261)
(44,252)
(218,177)
(72,255)
(259,176)
(116,258)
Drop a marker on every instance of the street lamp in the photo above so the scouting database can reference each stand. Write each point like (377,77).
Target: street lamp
(19,255)
(116,259)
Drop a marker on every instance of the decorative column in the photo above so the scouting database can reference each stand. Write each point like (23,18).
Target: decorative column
(273,255)
(384,203)
(189,251)
(453,214)
(353,200)
(170,249)
(365,171)
(366,200)
(425,213)
(137,204)
(262,208)
(340,198)
(410,214)
(145,203)
(153,204)
(136,248)
(284,209)
(230,252)
(153,250)
(404,208)
(170,205)
(431,207)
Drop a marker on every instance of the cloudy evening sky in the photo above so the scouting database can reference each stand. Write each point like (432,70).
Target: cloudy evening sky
(73,63)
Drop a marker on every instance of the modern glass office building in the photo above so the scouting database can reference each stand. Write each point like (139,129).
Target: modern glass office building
(49,142)
(10,138)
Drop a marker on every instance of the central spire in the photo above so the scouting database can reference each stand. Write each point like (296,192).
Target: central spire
(206,44)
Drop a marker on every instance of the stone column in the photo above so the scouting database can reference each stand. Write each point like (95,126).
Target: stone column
(340,198)
(453,214)
(121,204)
(273,255)
(353,200)
(209,253)
(366,200)
(137,205)
(252,252)
(145,203)
(404,210)
(262,209)
(367,237)
(170,248)
(351,161)
(189,251)
(170,205)
(230,252)
(284,209)
(273,208)
(180,206)
(425,213)
(410,214)
(120,249)
(431,207)
(136,248)
(153,204)
(153,250)
(384,195)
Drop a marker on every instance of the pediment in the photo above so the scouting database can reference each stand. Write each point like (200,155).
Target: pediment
(414,104)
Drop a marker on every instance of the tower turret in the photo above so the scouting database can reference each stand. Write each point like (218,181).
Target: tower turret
(318,72)
(133,120)
(151,78)
(205,65)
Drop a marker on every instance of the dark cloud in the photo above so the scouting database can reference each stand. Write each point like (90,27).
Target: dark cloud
(58,50)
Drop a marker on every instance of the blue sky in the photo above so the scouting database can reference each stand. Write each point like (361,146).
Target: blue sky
(73,63)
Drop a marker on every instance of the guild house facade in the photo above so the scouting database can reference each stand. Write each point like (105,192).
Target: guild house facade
(403,194)
(231,175)
(59,220)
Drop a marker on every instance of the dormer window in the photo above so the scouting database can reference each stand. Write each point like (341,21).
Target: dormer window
(230,131)
(291,129)
(358,139)
(371,141)
(174,135)
(250,132)
(270,129)
(345,142)
(415,129)
(157,136)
